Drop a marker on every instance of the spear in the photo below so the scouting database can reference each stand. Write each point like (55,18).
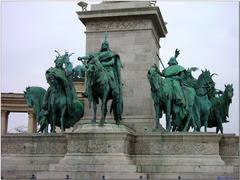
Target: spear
(161,61)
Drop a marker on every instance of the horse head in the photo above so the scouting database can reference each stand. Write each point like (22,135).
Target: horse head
(153,76)
(229,92)
(93,66)
(205,83)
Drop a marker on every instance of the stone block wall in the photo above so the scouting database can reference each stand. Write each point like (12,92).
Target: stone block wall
(229,151)
(24,155)
(121,154)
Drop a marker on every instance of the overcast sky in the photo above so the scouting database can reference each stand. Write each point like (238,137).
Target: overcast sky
(205,32)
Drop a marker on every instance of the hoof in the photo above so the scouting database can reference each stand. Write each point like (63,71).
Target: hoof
(93,121)
(101,124)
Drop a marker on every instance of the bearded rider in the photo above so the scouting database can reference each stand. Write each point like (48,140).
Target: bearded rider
(174,73)
(112,64)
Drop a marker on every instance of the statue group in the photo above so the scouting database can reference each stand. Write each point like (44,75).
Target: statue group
(186,101)
(59,105)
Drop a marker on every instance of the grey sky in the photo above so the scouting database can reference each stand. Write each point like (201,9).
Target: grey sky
(205,32)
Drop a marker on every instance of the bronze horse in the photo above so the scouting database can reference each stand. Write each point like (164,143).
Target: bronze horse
(163,97)
(98,87)
(220,108)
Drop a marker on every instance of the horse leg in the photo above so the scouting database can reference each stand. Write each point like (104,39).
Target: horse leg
(157,115)
(219,123)
(46,128)
(94,111)
(205,120)
(53,129)
(62,118)
(168,110)
(194,126)
(187,124)
(221,127)
(103,108)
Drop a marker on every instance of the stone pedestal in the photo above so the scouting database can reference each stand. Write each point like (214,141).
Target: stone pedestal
(180,156)
(117,152)
(134,30)
(229,151)
(25,154)
(95,152)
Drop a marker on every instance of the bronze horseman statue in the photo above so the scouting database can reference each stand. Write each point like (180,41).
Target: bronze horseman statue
(188,102)
(103,81)
(59,105)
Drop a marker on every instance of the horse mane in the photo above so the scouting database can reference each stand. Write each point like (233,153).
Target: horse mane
(36,92)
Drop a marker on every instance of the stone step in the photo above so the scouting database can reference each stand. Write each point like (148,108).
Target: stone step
(93,167)
(18,174)
(25,167)
(96,158)
(192,176)
(158,168)
(54,175)
(191,160)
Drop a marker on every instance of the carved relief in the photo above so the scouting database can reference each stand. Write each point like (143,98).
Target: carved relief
(118,25)
(40,145)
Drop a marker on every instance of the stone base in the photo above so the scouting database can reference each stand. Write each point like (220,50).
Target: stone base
(140,124)
(94,152)
(110,127)
(118,152)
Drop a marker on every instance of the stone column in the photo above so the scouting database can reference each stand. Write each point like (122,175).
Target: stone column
(134,30)
(32,122)
(4,122)
(79,86)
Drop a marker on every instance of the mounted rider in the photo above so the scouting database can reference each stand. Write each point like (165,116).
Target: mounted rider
(112,64)
(63,74)
(174,73)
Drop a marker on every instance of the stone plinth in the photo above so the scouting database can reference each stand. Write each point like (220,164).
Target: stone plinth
(93,152)
(229,151)
(24,155)
(184,155)
(134,30)
(117,152)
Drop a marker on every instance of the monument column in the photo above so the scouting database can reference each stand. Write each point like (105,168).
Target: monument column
(134,29)
(4,122)
(32,123)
